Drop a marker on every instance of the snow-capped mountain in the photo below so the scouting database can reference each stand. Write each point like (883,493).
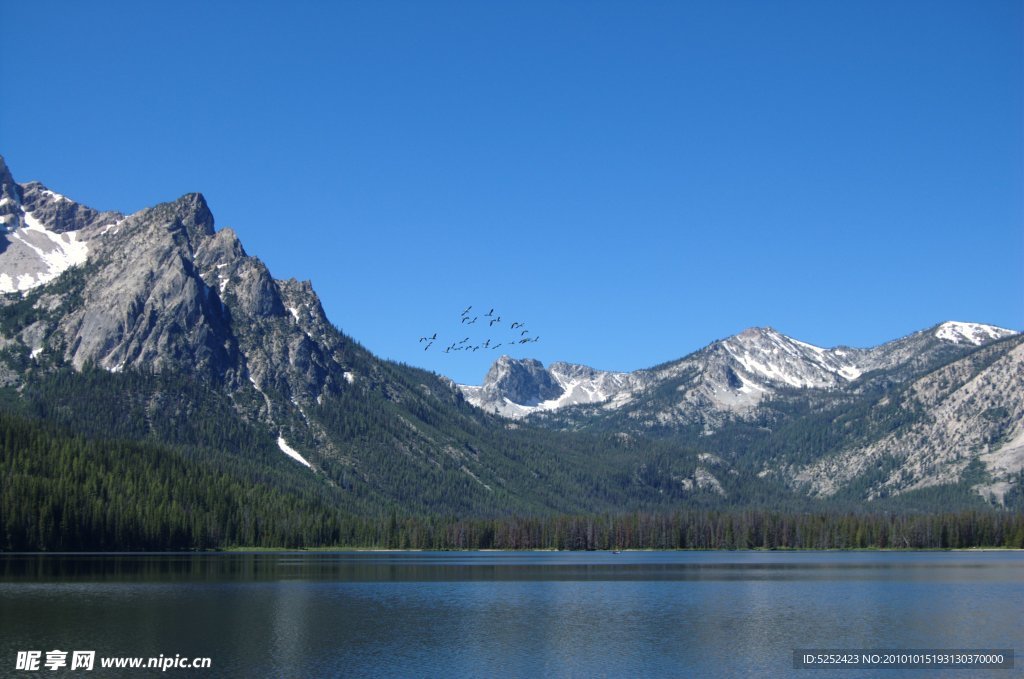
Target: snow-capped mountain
(915,412)
(162,316)
(42,233)
(970,333)
(517,387)
(162,329)
(162,290)
(728,377)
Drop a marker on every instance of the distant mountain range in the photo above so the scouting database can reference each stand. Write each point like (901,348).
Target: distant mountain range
(156,327)
(731,375)
(961,381)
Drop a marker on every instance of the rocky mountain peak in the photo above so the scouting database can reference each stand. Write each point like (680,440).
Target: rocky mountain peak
(166,291)
(42,233)
(222,249)
(60,214)
(9,189)
(518,387)
(757,332)
(193,213)
(572,370)
(10,199)
(524,381)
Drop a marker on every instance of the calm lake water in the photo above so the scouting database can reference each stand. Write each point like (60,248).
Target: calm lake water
(672,614)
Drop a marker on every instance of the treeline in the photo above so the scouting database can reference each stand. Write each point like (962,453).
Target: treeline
(755,529)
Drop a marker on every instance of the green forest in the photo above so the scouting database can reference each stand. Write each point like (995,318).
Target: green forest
(62,492)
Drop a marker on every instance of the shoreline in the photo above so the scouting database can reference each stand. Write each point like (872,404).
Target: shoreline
(378,550)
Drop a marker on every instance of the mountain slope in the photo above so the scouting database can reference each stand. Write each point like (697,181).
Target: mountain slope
(971,415)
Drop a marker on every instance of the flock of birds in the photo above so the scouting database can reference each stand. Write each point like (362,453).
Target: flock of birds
(494,325)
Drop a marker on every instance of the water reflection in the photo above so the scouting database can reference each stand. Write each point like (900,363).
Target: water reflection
(496,566)
(508,614)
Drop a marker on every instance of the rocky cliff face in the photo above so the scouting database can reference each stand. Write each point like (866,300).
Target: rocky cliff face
(143,302)
(164,290)
(525,381)
(518,387)
(973,412)
(161,289)
(42,233)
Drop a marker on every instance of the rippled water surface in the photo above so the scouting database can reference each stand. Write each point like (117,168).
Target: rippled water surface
(510,613)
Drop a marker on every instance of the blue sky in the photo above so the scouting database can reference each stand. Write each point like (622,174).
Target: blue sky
(632,180)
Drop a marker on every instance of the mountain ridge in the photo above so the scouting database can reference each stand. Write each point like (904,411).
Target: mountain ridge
(744,367)
(163,298)
(142,323)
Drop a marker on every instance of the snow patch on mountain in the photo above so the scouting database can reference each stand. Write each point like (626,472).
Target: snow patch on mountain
(970,333)
(519,387)
(291,452)
(769,355)
(36,255)
(729,376)
(56,196)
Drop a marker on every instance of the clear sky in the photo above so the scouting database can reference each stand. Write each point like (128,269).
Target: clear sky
(631,179)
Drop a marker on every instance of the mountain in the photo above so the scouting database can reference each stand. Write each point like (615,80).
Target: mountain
(941,406)
(151,351)
(44,233)
(518,387)
(163,290)
(728,377)
(973,421)
(158,327)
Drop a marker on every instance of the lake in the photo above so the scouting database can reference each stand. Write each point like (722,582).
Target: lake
(520,614)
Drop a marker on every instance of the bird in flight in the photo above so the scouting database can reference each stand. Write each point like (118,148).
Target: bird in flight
(492,318)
